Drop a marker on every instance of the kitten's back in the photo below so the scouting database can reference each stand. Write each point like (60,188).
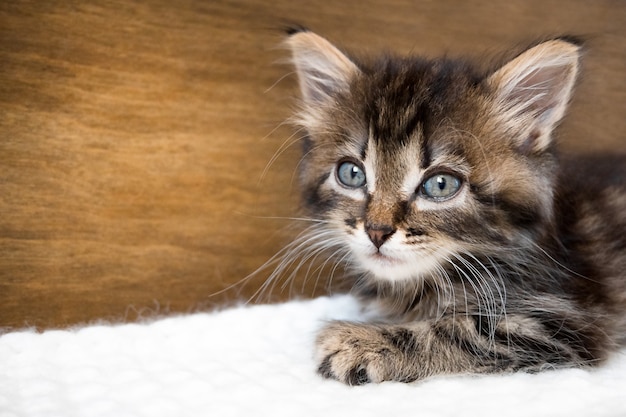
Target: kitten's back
(591,212)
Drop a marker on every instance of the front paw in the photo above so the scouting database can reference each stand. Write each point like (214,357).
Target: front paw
(359,353)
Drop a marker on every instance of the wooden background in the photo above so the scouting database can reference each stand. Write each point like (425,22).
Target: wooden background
(134,136)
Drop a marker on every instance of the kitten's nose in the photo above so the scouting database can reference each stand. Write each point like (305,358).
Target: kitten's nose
(379,234)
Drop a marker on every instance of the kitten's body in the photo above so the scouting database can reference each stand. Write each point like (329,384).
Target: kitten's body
(441,186)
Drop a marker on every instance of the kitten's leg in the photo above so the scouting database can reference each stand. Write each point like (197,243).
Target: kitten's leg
(357,353)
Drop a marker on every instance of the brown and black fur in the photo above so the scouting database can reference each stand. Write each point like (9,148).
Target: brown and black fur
(536,278)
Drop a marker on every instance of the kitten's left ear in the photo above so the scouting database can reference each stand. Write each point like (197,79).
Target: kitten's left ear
(322,68)
(533,90)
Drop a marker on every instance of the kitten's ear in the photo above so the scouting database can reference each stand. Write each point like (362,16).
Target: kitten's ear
(533,90)
(322,69)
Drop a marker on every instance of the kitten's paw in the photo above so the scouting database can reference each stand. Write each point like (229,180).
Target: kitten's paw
(358,354)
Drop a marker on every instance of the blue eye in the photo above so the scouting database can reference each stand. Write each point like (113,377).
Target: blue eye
(350,175)
(440,186)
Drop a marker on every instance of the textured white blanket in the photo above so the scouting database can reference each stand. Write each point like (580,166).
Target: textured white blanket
(257,361)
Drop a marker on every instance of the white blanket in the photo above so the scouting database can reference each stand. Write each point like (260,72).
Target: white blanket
(257,361)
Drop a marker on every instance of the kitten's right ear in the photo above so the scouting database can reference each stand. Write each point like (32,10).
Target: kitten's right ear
(322,68)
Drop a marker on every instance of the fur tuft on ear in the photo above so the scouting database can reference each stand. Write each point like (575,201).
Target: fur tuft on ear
(533,90)
(322,69)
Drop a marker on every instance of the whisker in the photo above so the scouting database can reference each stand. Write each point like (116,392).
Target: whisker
(287,143)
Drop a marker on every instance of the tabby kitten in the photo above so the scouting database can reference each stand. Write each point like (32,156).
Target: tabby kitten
(440,187)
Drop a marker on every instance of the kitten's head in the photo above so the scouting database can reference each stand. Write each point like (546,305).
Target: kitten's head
(411,163)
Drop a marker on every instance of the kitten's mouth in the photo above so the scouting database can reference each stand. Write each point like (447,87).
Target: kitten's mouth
(378,256)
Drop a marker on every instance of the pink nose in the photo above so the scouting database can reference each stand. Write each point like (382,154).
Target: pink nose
(379,234)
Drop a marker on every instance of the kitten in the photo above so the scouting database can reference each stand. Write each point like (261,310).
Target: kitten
(440,186)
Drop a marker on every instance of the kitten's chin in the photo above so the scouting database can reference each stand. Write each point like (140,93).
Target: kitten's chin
(388,267)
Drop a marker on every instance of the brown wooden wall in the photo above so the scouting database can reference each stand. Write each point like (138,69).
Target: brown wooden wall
(134,135)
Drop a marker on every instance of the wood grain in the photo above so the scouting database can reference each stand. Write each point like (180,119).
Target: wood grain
(134,136)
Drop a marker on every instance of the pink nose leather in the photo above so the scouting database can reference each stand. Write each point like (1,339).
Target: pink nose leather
(379,234)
